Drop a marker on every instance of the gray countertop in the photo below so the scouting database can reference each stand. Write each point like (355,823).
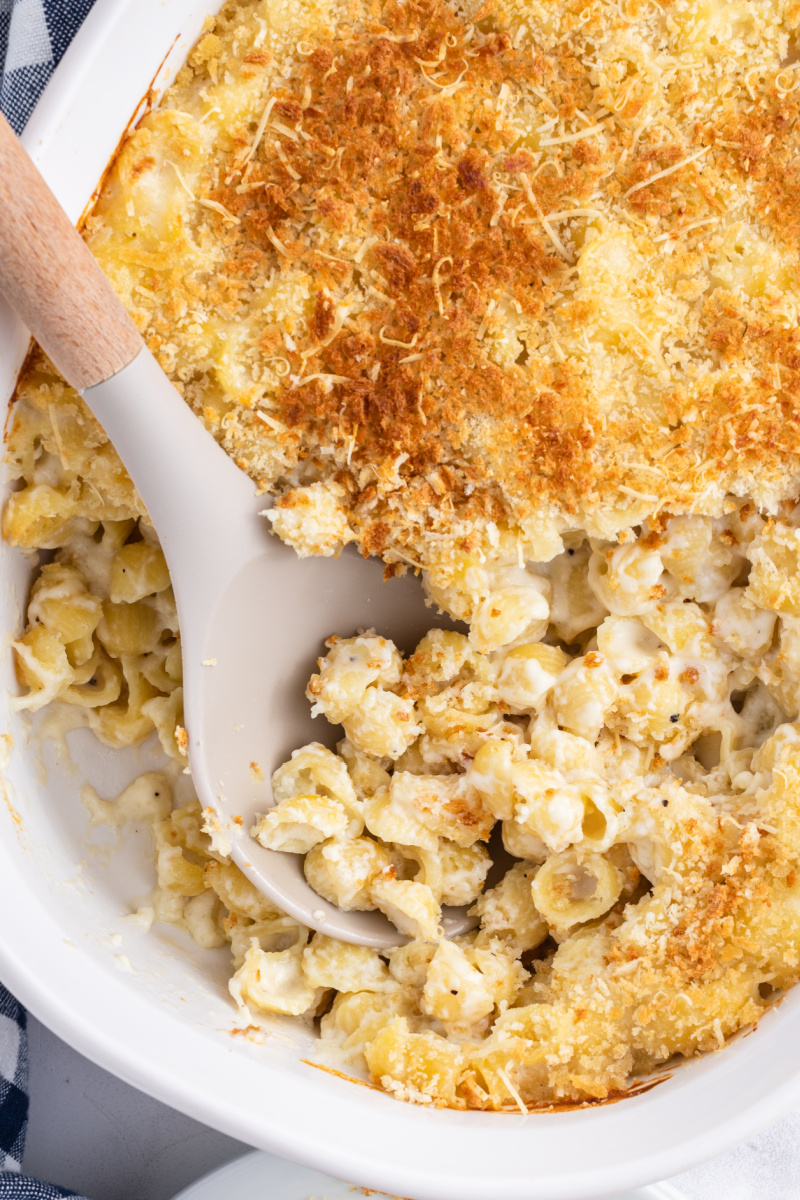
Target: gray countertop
(91,1132)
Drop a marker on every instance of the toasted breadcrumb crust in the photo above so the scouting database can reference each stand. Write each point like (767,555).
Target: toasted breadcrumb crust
(348,235)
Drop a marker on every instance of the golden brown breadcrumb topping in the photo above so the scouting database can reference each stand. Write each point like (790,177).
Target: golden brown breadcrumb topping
(530,264)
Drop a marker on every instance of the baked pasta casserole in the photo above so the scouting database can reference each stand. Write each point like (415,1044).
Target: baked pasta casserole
(506,295)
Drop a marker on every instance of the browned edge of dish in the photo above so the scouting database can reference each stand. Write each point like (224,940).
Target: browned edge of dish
(637,1088)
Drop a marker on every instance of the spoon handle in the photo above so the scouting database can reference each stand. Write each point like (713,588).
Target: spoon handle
(49,276)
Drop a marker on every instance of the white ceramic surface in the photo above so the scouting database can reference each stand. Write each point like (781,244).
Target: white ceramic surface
(153,1009)
(265,1177)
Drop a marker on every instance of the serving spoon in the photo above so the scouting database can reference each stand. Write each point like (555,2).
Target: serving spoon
(251,614)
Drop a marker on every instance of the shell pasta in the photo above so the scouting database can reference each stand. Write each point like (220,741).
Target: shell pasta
(644,772)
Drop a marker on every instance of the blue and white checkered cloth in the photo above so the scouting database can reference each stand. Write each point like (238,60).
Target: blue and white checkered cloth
(33,37)
(14,1107)
(13,1082)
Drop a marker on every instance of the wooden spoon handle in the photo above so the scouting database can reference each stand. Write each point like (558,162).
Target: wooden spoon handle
(49,276)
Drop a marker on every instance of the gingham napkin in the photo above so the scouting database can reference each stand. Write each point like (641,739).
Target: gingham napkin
(33,36)
(14,1106)
(13,1082)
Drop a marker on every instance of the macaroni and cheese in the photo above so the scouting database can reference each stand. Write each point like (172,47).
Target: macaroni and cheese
(508,295)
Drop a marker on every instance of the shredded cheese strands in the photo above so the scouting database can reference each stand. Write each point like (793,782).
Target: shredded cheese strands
(412,562)
(501,203)
(57,434)
(512,1090)
(566,213)
(324,376)
(262,125)
(281,153)
(674,233)
(551,233)
(338,320)
(273,422)
(258,41)
(181,180)
(279,365)
(434,62)
(394,342)
(572,137)
(668,171)
(276,241)
(783,89)
(490,307)
(435,279)
(629,491)
(332,258)
(351,444)
(285,130)
(502,99)
(445,88)
(215,206)
(364,247)
(399,37)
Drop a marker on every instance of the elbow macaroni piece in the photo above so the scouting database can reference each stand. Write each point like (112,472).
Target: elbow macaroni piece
(702,564)
(138,569)
(527,673)
(273,981)
(443,805)
(774,582)
(507,912)
(511,612)
(383,724)
(343,870)
(583,695)
(347,670)
(317,771)
(328,963)
(455,989)
(463,871)
(296,825)
(409,905)
(570,888)
(626,580)
(746,629)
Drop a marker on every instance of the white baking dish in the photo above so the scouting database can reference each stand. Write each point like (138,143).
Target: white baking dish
(155,1011)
